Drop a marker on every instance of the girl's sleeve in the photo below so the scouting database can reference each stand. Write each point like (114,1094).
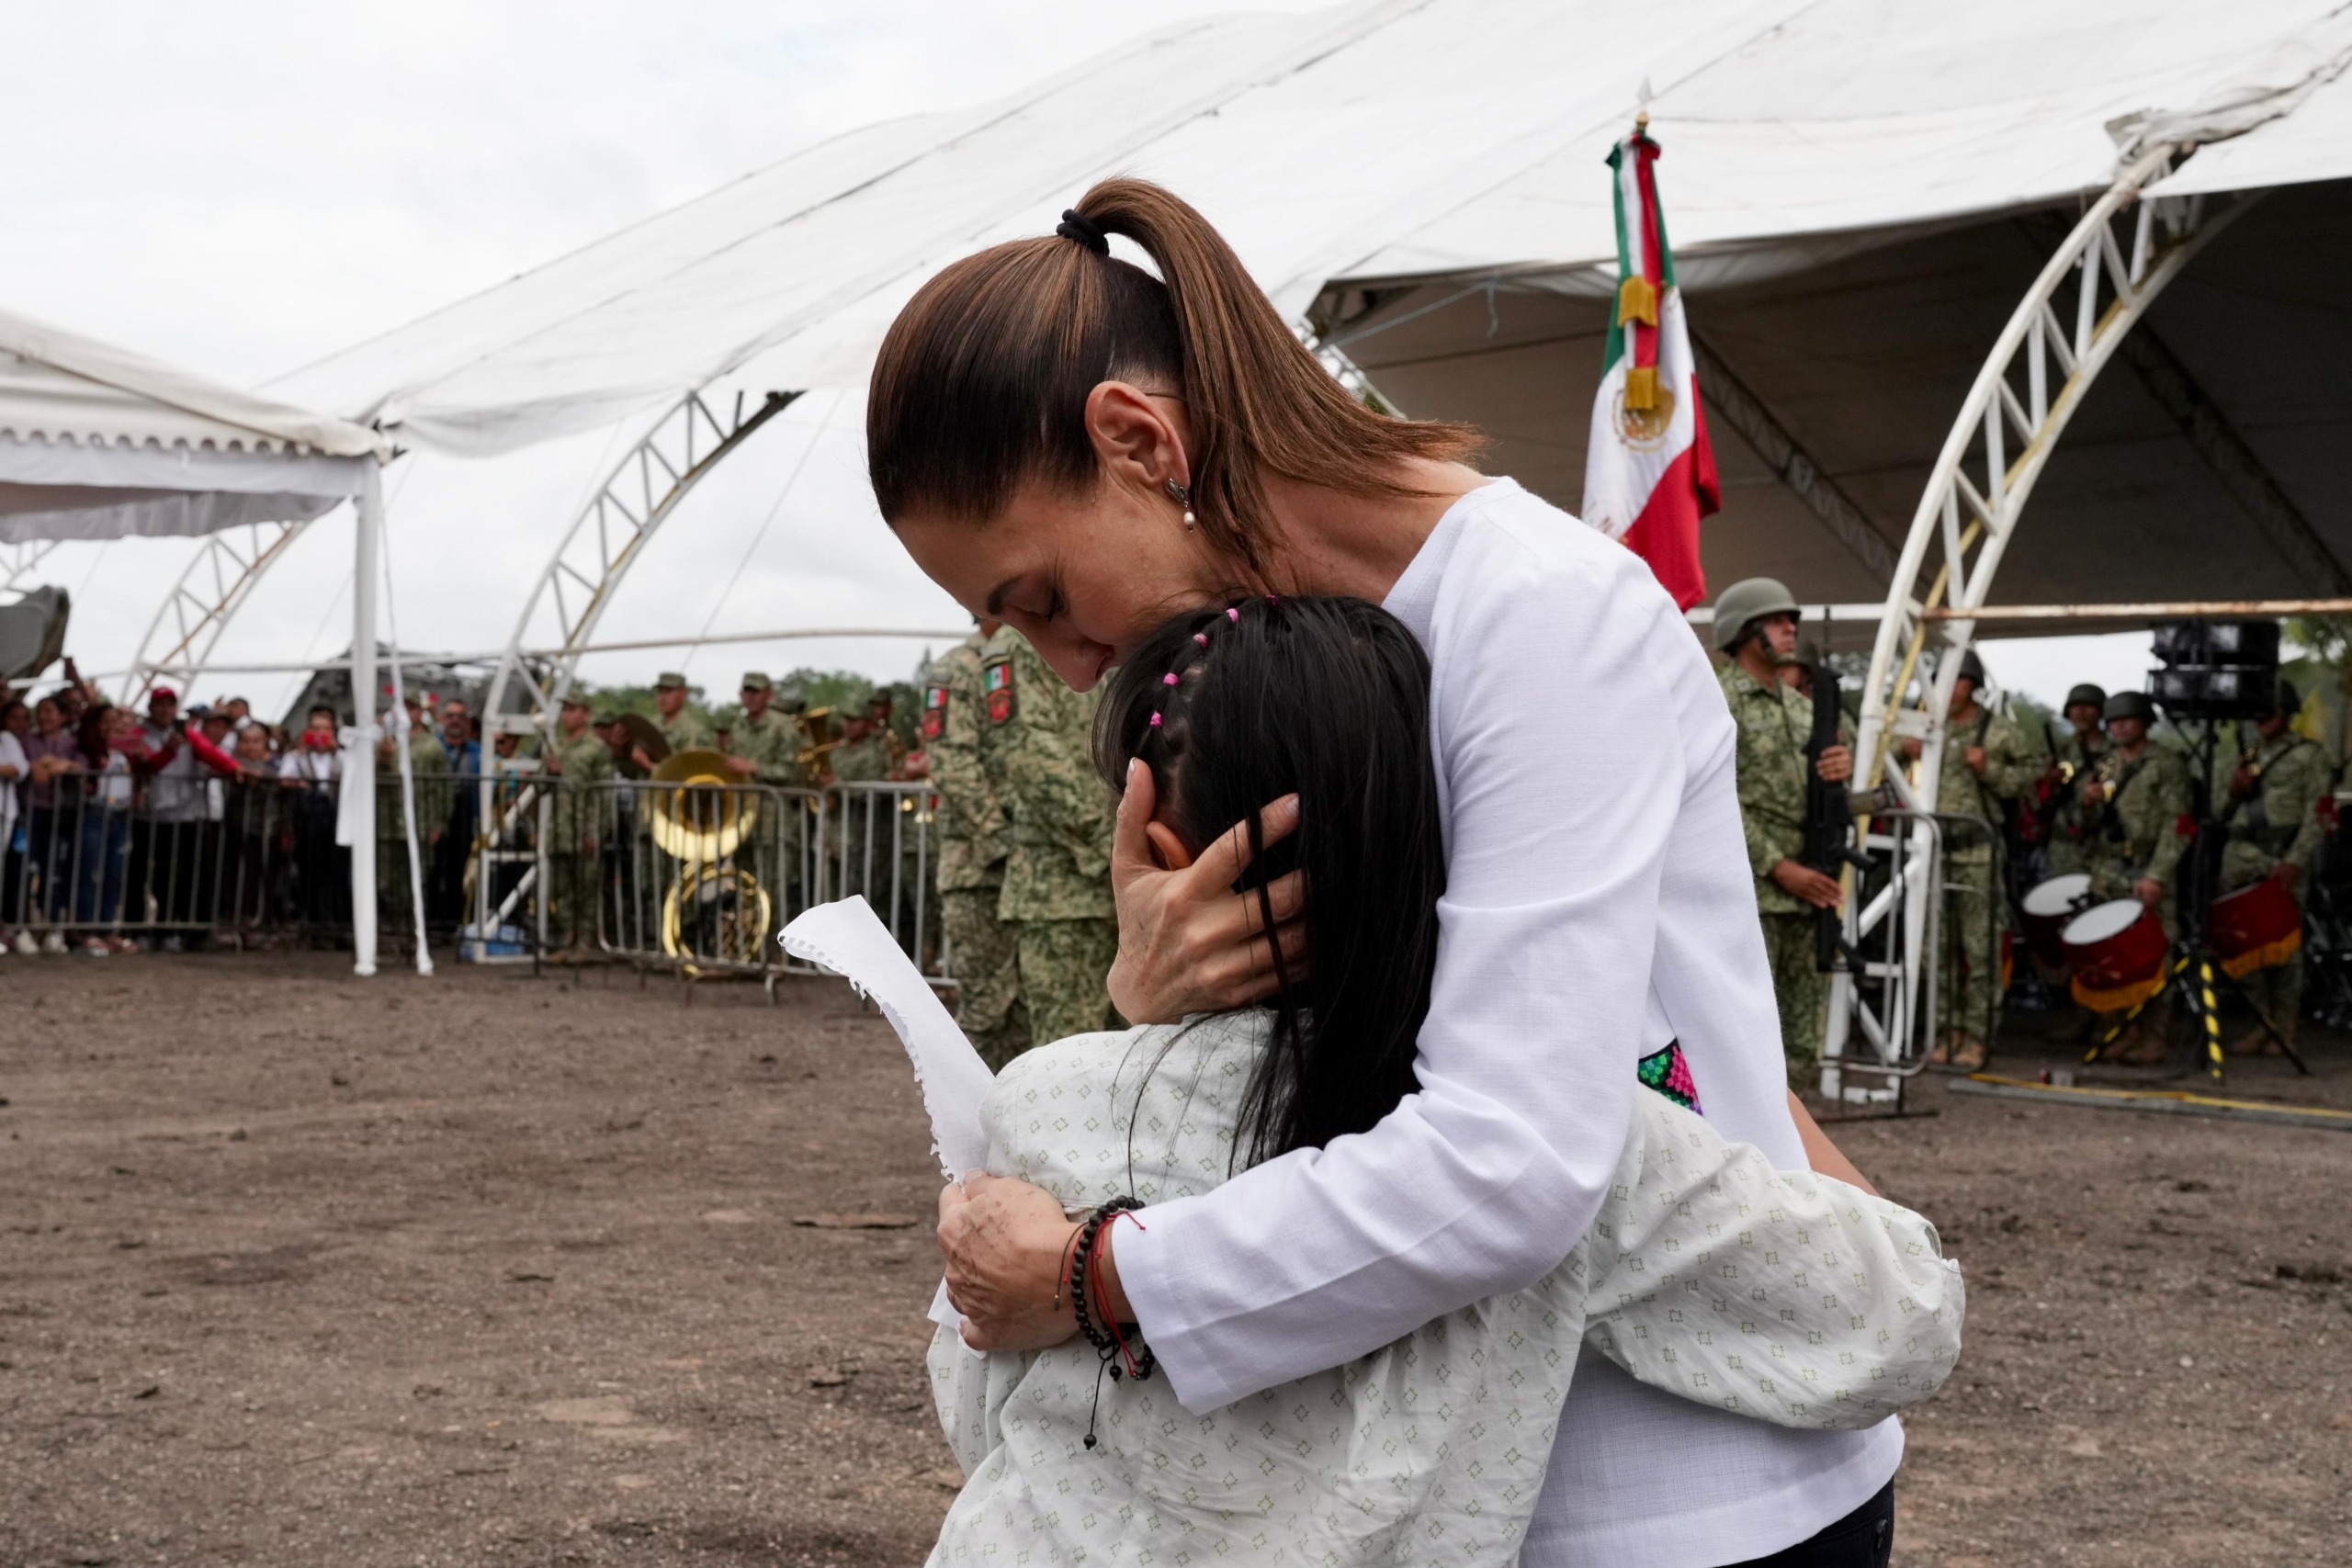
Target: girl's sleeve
(1781,1296)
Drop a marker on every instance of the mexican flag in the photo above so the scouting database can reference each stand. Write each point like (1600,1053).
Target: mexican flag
(1650,473)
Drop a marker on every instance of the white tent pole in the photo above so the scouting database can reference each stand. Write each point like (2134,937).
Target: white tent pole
(358,815)
(408,772)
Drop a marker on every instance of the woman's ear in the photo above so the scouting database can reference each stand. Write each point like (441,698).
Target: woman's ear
(1138,438)
(1167,848)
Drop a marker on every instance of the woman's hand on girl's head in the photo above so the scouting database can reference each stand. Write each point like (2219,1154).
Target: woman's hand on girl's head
(1006,1243)
(1188,943)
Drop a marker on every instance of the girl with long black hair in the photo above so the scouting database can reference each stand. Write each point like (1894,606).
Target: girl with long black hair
(1789,1298)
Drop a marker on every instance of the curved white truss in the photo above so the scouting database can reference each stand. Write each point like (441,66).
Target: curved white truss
(2113,264)
(16,561)
(189,624)
(644,488)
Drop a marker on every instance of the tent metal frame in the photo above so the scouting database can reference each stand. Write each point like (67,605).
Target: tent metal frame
(2115,261)
(207,593)
(605,538)
(18,560)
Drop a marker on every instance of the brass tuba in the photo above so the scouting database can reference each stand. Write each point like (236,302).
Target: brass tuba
(699,819)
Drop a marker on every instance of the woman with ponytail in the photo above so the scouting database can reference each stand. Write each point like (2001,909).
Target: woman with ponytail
(1081,446)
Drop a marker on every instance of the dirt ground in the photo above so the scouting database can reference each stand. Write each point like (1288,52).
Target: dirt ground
(503,1270)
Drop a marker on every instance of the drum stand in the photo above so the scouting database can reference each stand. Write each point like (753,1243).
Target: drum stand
(2191,970)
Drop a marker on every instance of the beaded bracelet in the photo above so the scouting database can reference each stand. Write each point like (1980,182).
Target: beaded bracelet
(1118,1347)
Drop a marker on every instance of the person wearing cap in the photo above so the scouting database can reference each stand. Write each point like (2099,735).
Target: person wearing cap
(2137,796)
(974,841)
(1970,980)
(765,745)
(1755,630)
(579,756)
(680,723)
(2268,806)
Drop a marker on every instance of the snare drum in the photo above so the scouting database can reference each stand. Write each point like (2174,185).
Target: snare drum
(2255,928)
(2048,906)
(2117,954)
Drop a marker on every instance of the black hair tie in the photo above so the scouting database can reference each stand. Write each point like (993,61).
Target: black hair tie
(1077,225)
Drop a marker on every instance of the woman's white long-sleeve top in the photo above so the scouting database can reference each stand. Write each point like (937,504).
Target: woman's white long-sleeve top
(1597,904)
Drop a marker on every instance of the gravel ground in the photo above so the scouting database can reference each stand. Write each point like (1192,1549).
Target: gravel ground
(496,1268)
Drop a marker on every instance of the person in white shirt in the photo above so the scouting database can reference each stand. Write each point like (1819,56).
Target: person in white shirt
(1065,442)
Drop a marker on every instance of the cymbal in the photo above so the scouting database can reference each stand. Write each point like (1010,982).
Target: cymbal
(642,731)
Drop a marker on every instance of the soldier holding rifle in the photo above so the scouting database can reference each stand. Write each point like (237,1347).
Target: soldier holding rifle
(1756,629)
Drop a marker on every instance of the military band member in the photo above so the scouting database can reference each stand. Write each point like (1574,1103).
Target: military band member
(2269,807)
(974,838)
(2137,796)
(1058,871)
(764,746)
(581,759)
(1973,908)
(2075,751)
(680,725)
(1756,629)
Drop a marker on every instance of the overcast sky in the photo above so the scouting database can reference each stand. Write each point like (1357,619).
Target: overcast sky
(244,186)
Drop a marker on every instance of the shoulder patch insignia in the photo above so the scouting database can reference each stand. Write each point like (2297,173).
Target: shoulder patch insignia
(998,681)
(934,711)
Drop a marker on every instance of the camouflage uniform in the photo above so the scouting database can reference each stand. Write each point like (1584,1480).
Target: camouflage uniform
(1969,983)
(1058,875)
(2022,752)
(574,836)
(974,841)
(863,762)
(428,767)
(1775,722)
(2137,832)
(772,744)
(2276,824)
(688,731)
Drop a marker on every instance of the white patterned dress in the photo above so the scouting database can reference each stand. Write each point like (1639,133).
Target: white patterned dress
(1785,1296)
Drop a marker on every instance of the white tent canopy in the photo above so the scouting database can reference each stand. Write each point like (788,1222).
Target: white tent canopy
(1394,139)
(96,443)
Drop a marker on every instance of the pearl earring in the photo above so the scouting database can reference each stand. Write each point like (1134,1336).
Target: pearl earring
(1182,496)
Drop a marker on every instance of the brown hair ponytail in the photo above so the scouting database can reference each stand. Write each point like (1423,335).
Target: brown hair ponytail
(982,382)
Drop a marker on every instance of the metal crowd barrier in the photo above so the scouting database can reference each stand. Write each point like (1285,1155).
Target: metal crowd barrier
(516,865)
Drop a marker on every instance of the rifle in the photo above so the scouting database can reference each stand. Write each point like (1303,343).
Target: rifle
(1829,817)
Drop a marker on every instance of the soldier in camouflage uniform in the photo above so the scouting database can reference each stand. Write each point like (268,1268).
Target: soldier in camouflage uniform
(764,749)
(1756,627)
(1057,873)
(1969,984)
(2137,796)
(680,725)
(2041,768)
(2268,806)
(582,759)
(974,838)
(428,767)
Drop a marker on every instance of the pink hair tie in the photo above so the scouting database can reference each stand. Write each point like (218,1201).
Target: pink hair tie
(1201,638)
(1169,678)
(1234,614)
(1155,721)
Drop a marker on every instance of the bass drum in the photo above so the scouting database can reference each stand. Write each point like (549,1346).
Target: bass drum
(2048,906)
(2116,952)
(2255,928)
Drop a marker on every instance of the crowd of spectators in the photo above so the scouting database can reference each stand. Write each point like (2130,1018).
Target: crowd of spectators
(121,827)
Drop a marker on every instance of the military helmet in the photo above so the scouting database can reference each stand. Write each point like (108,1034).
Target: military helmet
(2085,695)
(2129,704)
(2289,700)
(790,698)
(1746,601)
(1971,667)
